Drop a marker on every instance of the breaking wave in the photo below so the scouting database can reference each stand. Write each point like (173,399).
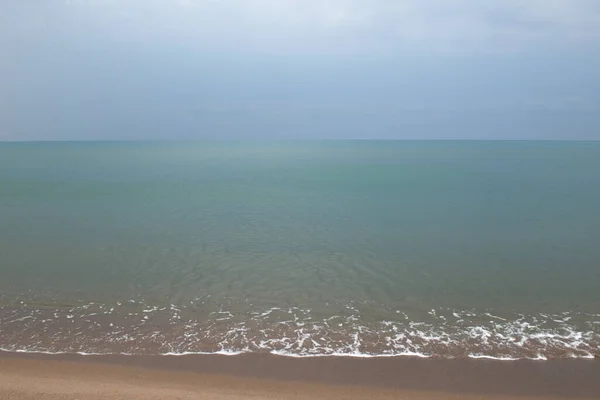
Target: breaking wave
(132,327)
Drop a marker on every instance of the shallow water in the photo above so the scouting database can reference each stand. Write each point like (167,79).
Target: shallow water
(447,249)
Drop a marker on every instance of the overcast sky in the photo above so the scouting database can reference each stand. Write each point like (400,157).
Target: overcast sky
(406,69)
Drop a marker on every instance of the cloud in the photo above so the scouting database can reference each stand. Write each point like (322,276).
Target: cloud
(528,67)
(348,25)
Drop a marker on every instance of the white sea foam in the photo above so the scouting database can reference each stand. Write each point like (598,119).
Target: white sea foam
(486,357)
(295,332)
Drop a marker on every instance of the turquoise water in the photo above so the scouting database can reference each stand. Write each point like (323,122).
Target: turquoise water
(301,248)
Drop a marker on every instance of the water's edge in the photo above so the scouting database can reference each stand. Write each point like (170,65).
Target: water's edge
(129,329)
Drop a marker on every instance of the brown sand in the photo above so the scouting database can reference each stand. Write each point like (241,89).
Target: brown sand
(81,378)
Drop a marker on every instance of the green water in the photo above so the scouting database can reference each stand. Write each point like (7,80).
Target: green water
(386,228)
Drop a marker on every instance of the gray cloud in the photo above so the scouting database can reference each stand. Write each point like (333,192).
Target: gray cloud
(300,68)
(331,25)
(440,25)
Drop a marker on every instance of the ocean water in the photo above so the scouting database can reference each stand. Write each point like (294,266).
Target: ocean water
(301,248)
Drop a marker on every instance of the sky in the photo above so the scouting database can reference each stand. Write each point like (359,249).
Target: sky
(300,69)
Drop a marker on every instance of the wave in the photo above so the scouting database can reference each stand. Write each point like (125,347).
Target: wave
(132,328)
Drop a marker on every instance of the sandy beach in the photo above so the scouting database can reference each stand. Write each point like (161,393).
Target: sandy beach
(255,377)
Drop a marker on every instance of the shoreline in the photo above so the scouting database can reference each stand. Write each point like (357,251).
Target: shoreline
(142,328)
(575,378)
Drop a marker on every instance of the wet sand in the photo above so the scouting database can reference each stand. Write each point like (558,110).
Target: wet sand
(26,376)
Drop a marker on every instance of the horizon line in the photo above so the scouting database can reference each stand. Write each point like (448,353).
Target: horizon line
(292,140)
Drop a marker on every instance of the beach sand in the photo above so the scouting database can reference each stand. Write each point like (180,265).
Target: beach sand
(251,377)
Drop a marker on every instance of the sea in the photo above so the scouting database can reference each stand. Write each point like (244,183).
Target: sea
(449,249)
